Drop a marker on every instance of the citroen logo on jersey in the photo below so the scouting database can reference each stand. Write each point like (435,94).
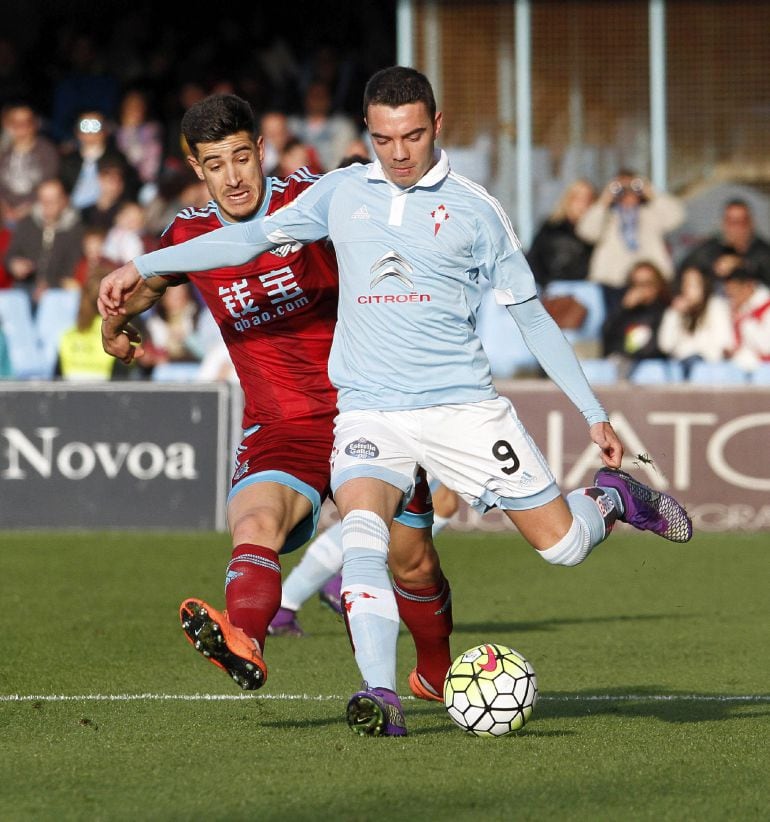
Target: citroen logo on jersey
(391,264)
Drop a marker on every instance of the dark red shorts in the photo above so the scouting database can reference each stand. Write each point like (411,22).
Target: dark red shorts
(295,454)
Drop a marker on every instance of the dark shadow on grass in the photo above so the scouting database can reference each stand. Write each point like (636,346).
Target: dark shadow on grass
(648,701)
(558,622)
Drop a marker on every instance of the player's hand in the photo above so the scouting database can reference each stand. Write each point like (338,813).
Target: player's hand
(125,344)
(603,434)
(116,288)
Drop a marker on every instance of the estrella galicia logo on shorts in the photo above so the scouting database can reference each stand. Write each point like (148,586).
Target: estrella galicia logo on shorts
(362,449)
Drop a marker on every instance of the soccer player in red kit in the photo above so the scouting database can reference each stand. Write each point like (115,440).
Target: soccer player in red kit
(276,315)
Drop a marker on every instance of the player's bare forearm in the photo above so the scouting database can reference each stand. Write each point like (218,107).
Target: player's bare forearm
(119,337)
(116,288)
(603,434)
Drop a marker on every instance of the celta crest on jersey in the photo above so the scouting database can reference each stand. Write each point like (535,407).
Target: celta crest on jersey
(391,264)
(440,216)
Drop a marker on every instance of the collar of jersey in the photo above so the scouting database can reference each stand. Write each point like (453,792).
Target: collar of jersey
(260,212)
(435,175)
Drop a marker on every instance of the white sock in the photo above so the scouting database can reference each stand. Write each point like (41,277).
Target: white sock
(439,523)
(372,612)
(593,514)
(322,560)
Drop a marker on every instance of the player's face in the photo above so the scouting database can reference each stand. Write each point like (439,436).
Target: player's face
(232,170)
(404,140)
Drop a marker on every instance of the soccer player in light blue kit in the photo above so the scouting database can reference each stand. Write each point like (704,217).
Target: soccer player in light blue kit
(413,240)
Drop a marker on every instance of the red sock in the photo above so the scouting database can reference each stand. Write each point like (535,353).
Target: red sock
(253,589)
(427,613)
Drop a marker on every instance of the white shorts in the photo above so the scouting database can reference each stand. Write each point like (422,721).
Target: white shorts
(480,450)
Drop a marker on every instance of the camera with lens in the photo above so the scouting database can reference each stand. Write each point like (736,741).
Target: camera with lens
(617,189)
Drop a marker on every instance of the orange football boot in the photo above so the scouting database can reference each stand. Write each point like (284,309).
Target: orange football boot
(419,686)
(224,644)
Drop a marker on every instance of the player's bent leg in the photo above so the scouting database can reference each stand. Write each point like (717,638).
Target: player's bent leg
(565,532)
(261,517)
(424,601)
(227,646)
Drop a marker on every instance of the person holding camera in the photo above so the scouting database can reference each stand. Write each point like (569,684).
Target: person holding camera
(628,224)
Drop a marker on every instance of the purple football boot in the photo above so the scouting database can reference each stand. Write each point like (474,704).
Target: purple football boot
(645,508)
(330,594)
(285,624)
(376,712)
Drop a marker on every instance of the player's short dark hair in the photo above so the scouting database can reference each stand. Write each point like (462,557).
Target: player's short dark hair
(399,86)
(216,117)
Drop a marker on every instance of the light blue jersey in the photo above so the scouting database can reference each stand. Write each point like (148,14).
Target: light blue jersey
(410,265)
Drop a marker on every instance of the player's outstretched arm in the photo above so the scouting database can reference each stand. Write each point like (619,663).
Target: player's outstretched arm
(557,357)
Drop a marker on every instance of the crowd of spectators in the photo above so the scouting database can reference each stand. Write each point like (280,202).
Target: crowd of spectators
(712,306)
(93,167)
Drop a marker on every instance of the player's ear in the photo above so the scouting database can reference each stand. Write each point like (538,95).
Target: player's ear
(196,167)
(437,123)
(261,149)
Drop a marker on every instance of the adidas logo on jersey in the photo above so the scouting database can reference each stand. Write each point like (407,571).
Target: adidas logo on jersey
(361,214)
(285,250)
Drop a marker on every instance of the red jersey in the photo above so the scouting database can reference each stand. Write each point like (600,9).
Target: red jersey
(276,313)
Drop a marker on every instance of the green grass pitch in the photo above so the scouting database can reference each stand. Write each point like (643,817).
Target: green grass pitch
(652,660)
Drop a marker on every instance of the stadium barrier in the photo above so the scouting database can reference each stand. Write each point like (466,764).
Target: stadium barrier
(149,455)
(114,455)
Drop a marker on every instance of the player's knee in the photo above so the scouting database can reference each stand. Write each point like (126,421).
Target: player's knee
(260,526)
(445,502)
(572,548)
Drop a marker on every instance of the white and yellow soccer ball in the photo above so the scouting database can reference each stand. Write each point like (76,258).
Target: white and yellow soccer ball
(490,690)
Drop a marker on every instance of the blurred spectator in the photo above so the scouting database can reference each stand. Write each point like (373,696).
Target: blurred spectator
(736,241)
(171,326)
(697,325)
(139,137)
(46,244)
(124,240)
(81,355)
(84,86)
(750,310)
(175,150)
(275,131)
(628,224)
(79,167)
(295,155)
(328,133)
(630,333)
(92,262)
(25,162)
(111,181)
(557,253)
(6,280)
(177,189)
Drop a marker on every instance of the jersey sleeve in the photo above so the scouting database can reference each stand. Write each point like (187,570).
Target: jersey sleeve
(557,357)
(302,221)
(499,255)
